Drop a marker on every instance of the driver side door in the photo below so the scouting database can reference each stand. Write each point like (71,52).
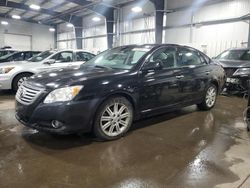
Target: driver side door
(159,87)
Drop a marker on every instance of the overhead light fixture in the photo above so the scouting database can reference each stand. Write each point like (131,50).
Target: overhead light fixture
(4,23)
(52,29)
(16,17)
(70,25)
(136,9)
(96,19)
(35,7)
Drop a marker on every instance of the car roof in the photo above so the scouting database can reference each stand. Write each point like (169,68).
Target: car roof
(242,48)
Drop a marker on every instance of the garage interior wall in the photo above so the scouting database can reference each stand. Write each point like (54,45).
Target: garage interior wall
(138,28)
(212,39)
(34,36)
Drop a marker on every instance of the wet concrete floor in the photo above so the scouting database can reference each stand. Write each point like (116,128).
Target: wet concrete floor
(183,149)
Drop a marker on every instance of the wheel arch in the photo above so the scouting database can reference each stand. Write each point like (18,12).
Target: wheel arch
(18,74)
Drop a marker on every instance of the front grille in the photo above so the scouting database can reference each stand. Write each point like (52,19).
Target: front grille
(229,71)
(27,94)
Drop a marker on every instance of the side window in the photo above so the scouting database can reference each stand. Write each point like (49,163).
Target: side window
(63,57)
(165,56)
(246,56)
(188,57)
(18,56)
(27,55)
(83,56)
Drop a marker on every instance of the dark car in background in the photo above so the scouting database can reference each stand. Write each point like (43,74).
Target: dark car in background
(118,86)
(236,63)
(18,56)
(4,52)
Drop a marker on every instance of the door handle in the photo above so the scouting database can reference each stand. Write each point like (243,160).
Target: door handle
(180,76)
(207,72)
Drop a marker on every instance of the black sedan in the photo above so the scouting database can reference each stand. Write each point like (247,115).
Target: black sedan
(118,86)
(236,63)
(18,56)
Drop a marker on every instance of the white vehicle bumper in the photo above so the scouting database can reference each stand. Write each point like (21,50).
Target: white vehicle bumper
(5,82)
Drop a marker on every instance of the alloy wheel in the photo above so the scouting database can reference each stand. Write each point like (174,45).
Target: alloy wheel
(211,96)
(115,119)
(21,80)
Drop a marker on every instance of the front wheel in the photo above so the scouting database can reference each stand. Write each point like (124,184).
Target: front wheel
(209,99)
(19,79)
(113,119)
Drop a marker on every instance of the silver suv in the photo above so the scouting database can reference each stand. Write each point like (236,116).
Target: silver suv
(13,74)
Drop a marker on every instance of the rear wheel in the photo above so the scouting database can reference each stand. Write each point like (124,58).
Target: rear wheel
(19,79)
(209,99)
(113,119)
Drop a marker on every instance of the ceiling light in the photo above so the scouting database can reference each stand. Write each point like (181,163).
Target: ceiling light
(4,23)
(52,29)
(16,17)
(136,9)
(96,19)
(35,7)
(70,25)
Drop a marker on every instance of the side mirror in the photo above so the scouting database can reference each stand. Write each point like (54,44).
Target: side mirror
(50,61)
(156,65)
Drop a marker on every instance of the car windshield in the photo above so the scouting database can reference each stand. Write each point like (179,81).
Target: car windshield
(2,53)
(41,56)
(119,58)
(8,55)
(232,55)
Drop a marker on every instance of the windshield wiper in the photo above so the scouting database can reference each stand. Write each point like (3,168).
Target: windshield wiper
(101,66)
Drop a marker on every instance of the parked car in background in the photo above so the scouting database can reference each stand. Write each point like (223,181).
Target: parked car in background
(4,52)
(236,63)
(118,86)
(18,56)
(13,74)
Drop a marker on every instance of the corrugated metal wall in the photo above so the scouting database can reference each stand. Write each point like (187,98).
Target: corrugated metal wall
(139,28)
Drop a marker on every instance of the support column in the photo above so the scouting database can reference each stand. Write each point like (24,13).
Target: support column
(78,32)
(249,36)
(110,26)
(159,14)
(55,37)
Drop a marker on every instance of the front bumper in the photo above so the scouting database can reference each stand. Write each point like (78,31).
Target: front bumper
(74,116)
(5,82)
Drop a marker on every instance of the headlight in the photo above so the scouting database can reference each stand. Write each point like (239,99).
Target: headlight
(63,94)
(6,70)
(242,71)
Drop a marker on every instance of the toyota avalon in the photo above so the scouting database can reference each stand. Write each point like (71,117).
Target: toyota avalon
(118,86)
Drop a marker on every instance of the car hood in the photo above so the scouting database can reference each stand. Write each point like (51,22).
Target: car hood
(13,63)
(234,63)
(71,76)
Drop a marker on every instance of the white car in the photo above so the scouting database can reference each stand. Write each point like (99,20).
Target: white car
(12,74)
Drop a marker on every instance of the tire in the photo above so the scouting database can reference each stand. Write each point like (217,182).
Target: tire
(17,80)
(110,123)
(209,98)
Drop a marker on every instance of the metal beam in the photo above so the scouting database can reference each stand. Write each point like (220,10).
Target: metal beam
(11,4)
(159,13)
(23,19)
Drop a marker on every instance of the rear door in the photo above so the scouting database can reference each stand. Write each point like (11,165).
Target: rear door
(194,75)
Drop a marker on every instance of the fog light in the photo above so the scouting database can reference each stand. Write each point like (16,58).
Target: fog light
(56,124)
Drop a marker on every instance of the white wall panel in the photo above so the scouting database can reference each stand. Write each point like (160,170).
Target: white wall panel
(18,41)
(41,37)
